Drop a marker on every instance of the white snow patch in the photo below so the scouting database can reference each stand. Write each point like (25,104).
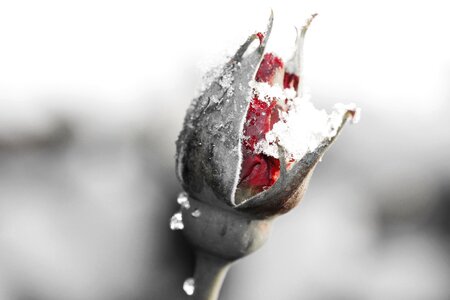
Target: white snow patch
(302,127)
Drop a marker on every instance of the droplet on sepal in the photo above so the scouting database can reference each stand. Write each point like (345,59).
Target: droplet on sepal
(189,286)
(196,213)
(183,200)
(176,222)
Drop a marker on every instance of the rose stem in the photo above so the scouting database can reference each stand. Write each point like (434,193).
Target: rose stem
(210,272)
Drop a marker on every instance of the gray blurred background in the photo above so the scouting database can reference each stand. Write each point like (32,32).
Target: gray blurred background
(92,97)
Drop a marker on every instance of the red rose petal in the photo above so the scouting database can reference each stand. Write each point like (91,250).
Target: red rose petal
(290,81)
(260,171)
(260,37)
(268,68)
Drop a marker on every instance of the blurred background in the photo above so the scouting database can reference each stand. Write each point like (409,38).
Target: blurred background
(92,97)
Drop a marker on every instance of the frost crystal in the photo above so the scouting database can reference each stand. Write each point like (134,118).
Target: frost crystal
(267,92)
(226,80)
(211,74)
(189,286)
(176,222)
(214,99)
(302,127)
(183,200)
(196,213)
(230,91)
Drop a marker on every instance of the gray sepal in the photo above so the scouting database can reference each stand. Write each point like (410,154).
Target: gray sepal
(209,146)
(291,185)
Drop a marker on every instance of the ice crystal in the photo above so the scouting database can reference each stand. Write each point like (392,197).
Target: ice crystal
(212,72)
(214,99)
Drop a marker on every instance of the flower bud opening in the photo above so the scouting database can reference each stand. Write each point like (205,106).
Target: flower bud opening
(279,117)
(251,139)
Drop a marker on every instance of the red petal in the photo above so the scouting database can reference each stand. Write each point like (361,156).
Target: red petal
(260,171)
(260,119)
(290,81)
(269,66)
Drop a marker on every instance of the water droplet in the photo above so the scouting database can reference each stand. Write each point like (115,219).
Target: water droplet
(196,213)
(189,286)
(183,200)
(176,222)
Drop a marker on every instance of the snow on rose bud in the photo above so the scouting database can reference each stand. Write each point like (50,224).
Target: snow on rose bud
(251,140)
(248,146)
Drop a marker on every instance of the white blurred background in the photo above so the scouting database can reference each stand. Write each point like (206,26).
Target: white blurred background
(92,97)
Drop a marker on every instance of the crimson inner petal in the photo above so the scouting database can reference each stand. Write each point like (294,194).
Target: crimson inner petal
(268,68)
(260,119)
(260,36)
(260,171)
(290,81)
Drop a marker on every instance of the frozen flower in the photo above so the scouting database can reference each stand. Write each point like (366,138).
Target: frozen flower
(251,140)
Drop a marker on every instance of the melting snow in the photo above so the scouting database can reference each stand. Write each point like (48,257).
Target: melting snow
(302,127)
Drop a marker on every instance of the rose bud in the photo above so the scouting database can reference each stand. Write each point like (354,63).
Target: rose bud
(248,146)
(251,140)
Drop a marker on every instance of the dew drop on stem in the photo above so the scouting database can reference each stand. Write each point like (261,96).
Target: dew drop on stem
(189,286)
(176,222)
